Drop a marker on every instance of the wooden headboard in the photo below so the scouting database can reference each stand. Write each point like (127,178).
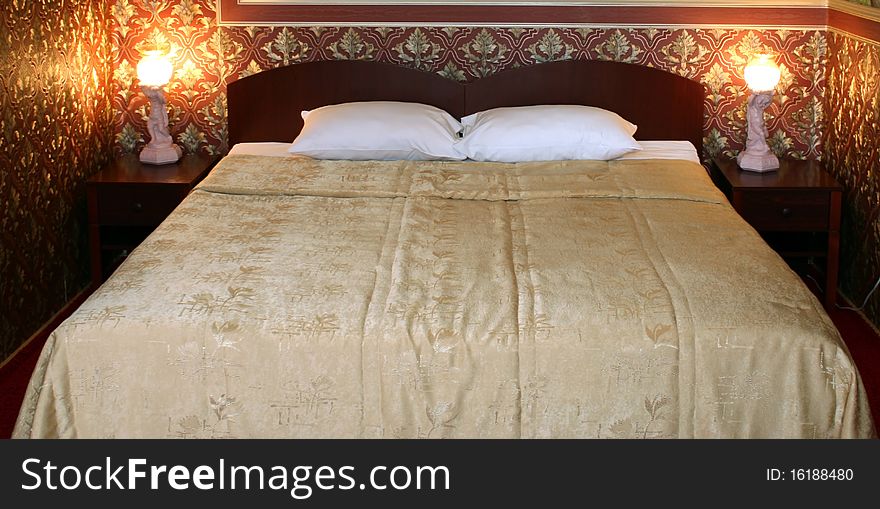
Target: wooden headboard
(665,106)
(267,105)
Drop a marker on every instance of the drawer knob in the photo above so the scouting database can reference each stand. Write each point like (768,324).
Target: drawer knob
(786,212)
(137,207)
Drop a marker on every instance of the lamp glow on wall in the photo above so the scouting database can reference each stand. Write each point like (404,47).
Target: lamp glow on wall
(154,72)
(762,75)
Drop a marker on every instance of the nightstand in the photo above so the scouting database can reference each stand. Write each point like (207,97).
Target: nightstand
(796,209)
(127,201)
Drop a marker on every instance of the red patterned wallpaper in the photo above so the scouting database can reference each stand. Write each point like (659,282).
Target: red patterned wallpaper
(56,123)
(208,56)
(852,153)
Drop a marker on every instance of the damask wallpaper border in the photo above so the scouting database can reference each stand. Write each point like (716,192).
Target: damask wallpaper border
(208,56)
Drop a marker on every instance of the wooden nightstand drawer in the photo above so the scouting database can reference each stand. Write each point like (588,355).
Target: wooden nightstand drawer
(785,210)
(128,200)
(137,205)
(796,209)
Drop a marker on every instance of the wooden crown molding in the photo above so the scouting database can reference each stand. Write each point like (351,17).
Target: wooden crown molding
(597,3)
(806,14)
(841,16)
(854,9)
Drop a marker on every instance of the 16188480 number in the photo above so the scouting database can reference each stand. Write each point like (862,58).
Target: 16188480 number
(821,474)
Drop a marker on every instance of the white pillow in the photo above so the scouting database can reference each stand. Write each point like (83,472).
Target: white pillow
(546,133)
(378,130)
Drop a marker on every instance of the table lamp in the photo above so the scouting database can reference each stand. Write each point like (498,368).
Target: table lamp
(762,76)
(154,71)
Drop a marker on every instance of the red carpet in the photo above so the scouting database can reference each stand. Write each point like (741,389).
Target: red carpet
(863,343)
(14,377)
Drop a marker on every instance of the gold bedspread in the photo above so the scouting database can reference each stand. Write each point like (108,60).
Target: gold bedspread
(298,298)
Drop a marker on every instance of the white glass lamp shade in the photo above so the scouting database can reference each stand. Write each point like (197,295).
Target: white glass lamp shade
(154,69)
(762,74)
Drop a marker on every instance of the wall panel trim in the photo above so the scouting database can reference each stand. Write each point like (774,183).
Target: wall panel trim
(857,21)
(861,22)
(662,14)
(862,11)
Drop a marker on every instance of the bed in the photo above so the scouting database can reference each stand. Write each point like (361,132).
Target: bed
(292,297)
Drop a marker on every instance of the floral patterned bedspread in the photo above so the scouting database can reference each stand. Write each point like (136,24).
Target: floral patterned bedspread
(290,297)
